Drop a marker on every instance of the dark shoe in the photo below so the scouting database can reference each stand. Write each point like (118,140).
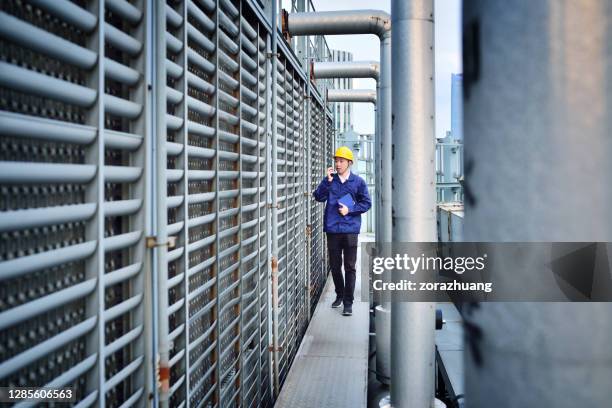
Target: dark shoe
(348,310)
(337,302)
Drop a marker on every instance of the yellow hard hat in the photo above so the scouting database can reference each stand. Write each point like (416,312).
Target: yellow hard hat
(345,153)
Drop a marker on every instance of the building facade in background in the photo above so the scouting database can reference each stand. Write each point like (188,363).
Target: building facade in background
(343,111)
(449,150)
(457,106)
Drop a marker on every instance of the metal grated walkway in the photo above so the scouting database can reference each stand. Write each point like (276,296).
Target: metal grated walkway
(331,366)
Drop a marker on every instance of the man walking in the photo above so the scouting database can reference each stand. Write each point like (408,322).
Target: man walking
(346,196)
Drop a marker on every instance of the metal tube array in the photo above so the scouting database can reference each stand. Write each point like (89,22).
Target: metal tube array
(135,178)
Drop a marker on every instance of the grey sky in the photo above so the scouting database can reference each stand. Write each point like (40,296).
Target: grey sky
(366,47)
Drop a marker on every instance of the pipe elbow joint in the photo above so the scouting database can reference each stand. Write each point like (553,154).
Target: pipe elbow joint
(375,70)
(381,24)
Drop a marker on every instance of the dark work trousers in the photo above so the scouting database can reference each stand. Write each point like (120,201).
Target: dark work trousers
(339,245)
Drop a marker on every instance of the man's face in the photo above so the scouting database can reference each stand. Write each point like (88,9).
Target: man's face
(341,164)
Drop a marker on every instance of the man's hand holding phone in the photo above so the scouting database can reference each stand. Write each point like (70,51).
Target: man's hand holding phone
(330,174)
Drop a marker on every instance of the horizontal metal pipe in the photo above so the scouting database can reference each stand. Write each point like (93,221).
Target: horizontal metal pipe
(121,174)
(174,44)
(20,266)
(199,129)
(28,310)
(73,373)
(125,10)
(123,340)
(229,44)
(125,240)
(248,94)
(174,175)
(24,172)
(31,82)
(200,152)
(173,335)
(230,8)
(248,45)
(200,39)
(38,217)
(174,19)
(349,69)
(194,246)
(202,19)
(173,69)
(200,107)
(248,62)
(30,355)
(122,307)
(228,118)
(351,95)
(122,274)
(173,96)
(208,5)
(121,207)
(200,84)
(226,60)
(247,29)
(173,122)
(200,61)
(172,282)
(122,41)
(227,80)
(121,73)
(175,228)
(69,12)
(36,39)
(123,374)
(228,99)
(15,124)
(340,22)
(226,23)
(197,175)
(121,107)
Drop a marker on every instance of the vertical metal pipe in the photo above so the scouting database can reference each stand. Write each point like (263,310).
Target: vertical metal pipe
(309,165)
(274,203)
(185,187)
(95,304)
(217,206)
(552,184)
(162,213)
(385,138)
(259,215)
(375,301)
(413,324)
(269,201)
(240,197)
(384,237)
(150,265)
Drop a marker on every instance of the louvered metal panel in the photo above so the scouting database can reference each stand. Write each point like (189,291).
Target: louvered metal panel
(84,301)
(73,134)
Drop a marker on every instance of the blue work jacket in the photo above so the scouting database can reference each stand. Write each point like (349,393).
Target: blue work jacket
(331,192)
